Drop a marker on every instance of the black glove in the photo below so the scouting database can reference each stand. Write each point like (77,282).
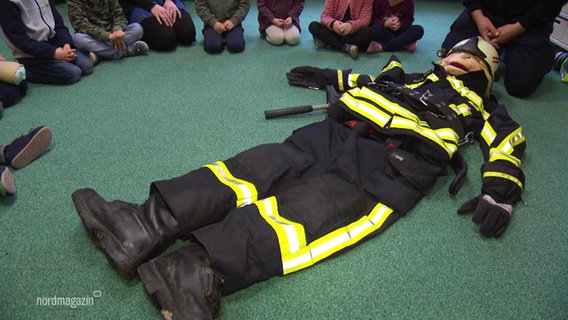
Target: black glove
(493,216)
(315,78)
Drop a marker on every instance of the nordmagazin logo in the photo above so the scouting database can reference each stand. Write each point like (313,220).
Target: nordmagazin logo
(68,301)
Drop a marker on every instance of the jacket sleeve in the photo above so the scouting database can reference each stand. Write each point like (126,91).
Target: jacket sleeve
(62,34)
(15,30)
(503,144)
(296,11)
(407,15)
(145,4)
(540,14)
(328,14)
(241,12)
(362,18)
(391,71)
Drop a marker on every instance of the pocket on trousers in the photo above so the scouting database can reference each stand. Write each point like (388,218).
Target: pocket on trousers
(323,204)
(418,173)
(266,163)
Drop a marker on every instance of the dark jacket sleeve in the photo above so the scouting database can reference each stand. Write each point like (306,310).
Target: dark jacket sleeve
(15,30)
(503,144)
(529,13)
(62,34)
(145,4)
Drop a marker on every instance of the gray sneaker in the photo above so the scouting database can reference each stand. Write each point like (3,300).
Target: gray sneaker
(136,49)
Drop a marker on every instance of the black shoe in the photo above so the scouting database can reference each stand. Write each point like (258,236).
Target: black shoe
(128,234)
(183,285)
(24,149)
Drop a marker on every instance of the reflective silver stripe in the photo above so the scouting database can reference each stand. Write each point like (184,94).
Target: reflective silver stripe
(245,191)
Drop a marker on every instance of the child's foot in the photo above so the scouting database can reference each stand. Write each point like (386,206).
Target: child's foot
(137,48)
(7,185)
(374,47)
(319,43)
(352,50)
(23,150)
(411,46)
(94,58)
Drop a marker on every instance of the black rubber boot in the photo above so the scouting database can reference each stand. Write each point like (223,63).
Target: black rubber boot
(127,233)
(183,284)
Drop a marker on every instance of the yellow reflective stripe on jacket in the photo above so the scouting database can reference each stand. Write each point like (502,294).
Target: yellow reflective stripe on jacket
(291,235)
(502,175)
(466,92)
(392,64)
(504,151)
(352,80)
(431,77)
(383,111)
(340,84)
(366,109)
(334,241)
(446,138)
(488,133)
(245,191)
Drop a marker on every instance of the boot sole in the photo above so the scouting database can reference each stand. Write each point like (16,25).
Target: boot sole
(35,147)
(105,240)
(7,182)
(153,283)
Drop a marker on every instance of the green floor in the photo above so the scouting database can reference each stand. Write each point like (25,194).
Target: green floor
(159,116)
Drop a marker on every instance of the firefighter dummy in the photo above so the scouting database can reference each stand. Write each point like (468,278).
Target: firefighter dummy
(267,212)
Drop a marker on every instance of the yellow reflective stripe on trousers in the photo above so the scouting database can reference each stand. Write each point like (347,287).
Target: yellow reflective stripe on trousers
(502,175)
(245,191)
(333,242)
(291,235)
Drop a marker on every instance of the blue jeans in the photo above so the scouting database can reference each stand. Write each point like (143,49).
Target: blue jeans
(214,42)
(57,71)
(105,50)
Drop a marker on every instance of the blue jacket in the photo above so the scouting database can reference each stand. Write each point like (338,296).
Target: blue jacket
(32,28)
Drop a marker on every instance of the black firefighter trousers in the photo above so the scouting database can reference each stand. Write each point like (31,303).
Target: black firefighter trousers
(319,193)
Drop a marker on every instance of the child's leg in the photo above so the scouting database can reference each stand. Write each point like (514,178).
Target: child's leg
(52,71)
(235,39)
(87,43)
(134,33)
(292,35)
(212,41)
(274,35)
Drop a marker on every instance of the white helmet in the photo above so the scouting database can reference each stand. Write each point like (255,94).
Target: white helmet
(480,48)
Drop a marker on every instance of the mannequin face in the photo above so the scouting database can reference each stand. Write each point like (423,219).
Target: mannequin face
(458,63)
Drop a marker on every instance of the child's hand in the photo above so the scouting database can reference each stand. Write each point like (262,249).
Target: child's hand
(117,40)
(172,10)
(229,25)
(278,22)
(65,53)
(288,22)
(392,23)
(162,15)
(219,27)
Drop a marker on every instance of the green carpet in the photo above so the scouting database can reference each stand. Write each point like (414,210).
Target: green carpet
(154,117)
